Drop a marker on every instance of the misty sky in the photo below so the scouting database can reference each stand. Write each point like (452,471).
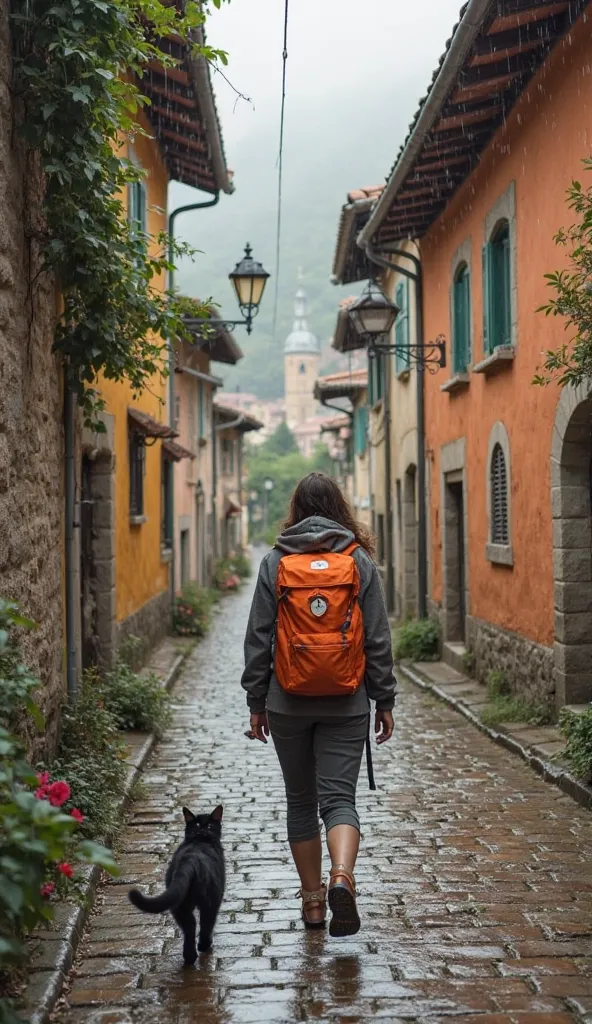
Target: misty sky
(356,70)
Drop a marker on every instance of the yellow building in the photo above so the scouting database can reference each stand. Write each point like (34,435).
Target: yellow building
(127,472)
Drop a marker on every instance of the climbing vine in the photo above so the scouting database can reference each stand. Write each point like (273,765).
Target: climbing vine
(77,64)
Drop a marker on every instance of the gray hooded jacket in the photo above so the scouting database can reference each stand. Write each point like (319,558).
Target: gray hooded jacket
(263,689)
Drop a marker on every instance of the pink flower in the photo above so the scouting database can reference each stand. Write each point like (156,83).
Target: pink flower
(47,889)
(77,815)
(43,781)
(65,869)
(58,793)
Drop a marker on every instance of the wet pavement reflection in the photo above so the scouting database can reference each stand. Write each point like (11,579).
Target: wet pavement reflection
(475,881)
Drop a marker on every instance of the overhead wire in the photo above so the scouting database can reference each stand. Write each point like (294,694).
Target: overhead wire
(280,167)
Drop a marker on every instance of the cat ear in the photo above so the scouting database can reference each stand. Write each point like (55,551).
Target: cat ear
(216,814)
(189,817)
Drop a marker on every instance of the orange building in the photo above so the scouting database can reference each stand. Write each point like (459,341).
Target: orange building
(481,182)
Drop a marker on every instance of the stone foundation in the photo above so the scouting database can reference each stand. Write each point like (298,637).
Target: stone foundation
(528,666)
(150,623)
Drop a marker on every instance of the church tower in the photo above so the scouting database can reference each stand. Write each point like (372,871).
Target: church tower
(301,366)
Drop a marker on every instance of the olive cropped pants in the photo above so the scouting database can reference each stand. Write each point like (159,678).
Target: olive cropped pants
(320,760)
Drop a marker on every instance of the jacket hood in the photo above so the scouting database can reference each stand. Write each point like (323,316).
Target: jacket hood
(314,534)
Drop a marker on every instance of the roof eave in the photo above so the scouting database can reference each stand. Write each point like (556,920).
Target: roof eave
(464,38)
(346,238)
(200,73)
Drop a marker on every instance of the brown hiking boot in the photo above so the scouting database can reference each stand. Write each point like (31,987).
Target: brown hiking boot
(342,901)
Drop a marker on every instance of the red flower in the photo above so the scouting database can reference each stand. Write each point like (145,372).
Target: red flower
(77,815)
(47,889)
(58,793)
(65,869)
(43,779)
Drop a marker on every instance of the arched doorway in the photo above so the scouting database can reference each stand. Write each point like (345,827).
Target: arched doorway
(571,503)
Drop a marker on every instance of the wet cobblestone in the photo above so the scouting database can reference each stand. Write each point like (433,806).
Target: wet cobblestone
(475,880)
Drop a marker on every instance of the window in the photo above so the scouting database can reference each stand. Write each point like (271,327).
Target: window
(402,358)
(461,320)
(166,523)
(227,457)
(137,206)
(360,429)
(500,533)
(376,376)
(497,312)
(136,473)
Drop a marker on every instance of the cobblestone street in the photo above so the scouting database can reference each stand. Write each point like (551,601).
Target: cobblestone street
(475,880)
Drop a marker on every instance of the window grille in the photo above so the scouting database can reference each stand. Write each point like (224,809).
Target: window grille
(500,533)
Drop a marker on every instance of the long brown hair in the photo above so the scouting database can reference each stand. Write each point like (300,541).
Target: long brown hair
(319,495)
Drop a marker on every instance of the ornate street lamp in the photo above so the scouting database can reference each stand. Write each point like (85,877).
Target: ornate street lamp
(248,280)
(373,316)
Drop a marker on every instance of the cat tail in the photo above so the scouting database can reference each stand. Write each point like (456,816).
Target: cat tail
(168,900)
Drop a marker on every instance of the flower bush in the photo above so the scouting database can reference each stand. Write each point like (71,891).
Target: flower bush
(193,611)
(226,577)
(41,839)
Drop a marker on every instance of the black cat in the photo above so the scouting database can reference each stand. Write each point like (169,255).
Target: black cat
(196,877)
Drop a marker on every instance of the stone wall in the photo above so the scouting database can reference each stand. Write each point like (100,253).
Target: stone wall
(528,666)
(31,437)
(150,623)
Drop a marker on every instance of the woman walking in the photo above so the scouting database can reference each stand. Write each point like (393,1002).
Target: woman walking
(317,650)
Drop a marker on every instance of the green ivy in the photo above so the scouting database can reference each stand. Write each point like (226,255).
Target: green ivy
(76,65)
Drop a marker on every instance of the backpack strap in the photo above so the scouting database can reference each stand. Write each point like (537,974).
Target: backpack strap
(349,550)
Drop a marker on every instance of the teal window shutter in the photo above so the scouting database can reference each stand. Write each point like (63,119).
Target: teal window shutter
(137,206)
(402,358)
(497,290)
(376,379)
(487,324)
(461,327)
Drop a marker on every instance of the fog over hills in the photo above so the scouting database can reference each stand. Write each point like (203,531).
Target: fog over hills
(342,136)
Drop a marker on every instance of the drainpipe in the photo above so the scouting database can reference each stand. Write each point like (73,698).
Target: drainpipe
(171,497)
(416,276)
(70,552)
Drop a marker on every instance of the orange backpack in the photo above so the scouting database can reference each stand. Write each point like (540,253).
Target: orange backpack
(319,643)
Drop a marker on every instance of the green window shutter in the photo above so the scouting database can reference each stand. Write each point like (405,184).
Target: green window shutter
(137,206)
(402,339)
(506,318)
(461,322)
(142,219)
(487,324)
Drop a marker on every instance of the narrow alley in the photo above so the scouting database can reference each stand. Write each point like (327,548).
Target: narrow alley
(474,879)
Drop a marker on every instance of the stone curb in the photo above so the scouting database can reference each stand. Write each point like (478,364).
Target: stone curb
(45,986)
(573,787)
